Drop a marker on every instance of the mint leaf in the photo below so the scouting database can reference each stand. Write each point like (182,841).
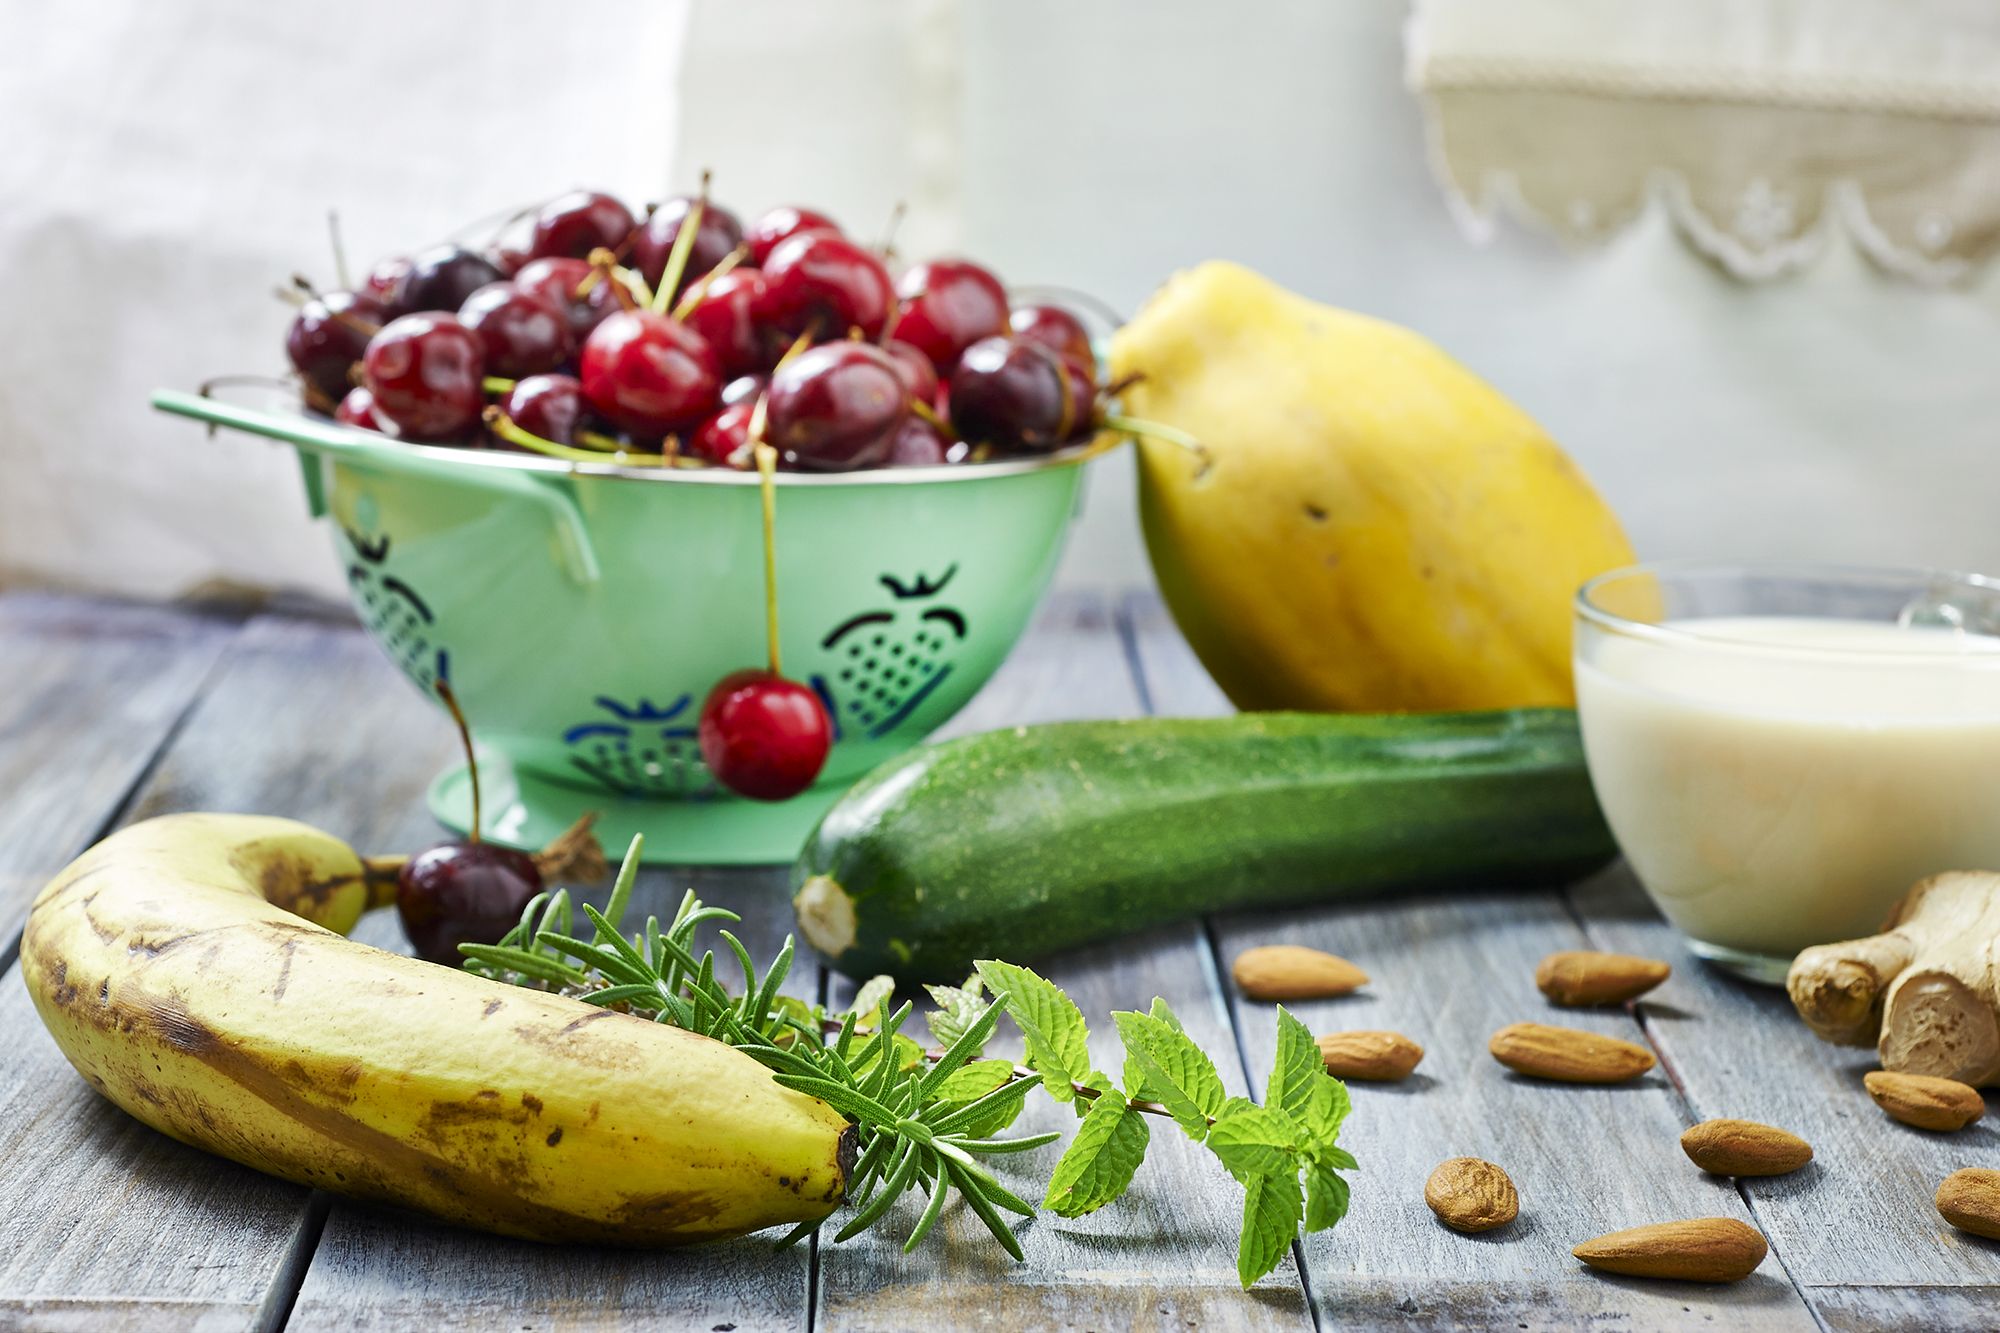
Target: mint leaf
(969,1083)
(1299,1069)
(1326,1109)
(1326,1198)
(1164,1014)
(1271,1213)
(1333,1158)
(868,1001)
(957,1009)
(1255,1142)
(1107,1149)
(1172,1069)
(1050,1023)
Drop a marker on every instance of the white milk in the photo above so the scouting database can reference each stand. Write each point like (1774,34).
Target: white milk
(1781,781)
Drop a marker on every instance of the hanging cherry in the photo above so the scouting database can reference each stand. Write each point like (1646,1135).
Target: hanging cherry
(761,735)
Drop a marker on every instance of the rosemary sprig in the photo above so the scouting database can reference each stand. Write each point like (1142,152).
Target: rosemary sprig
(926,1118)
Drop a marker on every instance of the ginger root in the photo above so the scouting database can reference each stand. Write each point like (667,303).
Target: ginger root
(1925,992)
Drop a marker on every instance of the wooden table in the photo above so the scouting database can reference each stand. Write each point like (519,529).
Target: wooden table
(113,712)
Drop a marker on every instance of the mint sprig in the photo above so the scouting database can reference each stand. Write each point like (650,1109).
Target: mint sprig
(927,1117)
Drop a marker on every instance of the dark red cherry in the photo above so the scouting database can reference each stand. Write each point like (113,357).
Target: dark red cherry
(833,407)
(1020,395)
(823,282)
(559,281)
(385,283)
(550,406)
(744,389)
(721,438)
(649,374)
(463,893)
(763,736)
(506,258)
(328,335)
(443,276)
(919,376)
(576,223)
(425,372)
(718,234)
(1055,328)
(917,443)
(948,305)
(770,228)
(727,317)
(523,334)
(358,409)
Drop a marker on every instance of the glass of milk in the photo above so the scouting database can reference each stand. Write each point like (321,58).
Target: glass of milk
(1781,751)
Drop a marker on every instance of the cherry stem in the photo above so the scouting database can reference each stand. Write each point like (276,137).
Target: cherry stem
(511,431)
(698,290)
(924,412)
(471,763)
(887,249)
(628,287)
(767,470)
(498,384)
(799,344)
(339,250)
(367,328)
(677,259)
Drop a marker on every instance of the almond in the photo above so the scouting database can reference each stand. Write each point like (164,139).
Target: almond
(1471,1195)
(1707,1249)
(1380,1056)
(1928,1103)
(1744,1148)
(1970,1201)
(1581,977)
(1568,1055)
(1294,972)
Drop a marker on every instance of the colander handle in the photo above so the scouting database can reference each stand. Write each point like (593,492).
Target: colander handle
(549,488)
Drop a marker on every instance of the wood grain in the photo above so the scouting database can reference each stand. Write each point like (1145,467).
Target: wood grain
(1164,1255)
(1448,972)
(92,689)
(103,1222)
(1858,1222)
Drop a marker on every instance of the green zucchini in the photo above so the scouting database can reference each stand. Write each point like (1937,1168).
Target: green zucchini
(1020,842)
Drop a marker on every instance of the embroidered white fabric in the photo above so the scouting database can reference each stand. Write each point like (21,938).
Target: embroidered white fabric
(1758,126)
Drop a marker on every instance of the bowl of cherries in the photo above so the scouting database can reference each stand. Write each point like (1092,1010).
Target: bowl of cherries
(577,473)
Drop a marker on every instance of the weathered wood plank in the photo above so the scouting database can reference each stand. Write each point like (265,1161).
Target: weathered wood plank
(379,1269)
(104,1223)
(1857,1224)
(1162,1256)
(92,690)
(1448,972)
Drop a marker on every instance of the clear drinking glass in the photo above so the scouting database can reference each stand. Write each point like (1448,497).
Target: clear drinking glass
(1783,750)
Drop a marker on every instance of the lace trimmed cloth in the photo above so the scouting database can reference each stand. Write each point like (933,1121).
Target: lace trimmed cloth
(1759,125)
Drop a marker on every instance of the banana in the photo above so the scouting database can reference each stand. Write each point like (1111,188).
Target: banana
(195,971)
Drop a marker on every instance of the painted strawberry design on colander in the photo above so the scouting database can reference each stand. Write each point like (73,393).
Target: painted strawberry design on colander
(640,749)
(394,612)
(878,667)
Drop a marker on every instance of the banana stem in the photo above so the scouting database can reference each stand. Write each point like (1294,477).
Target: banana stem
(381,874)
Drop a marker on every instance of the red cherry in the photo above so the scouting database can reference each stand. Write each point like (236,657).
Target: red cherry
(949,304)
(648,373)
(507,259)
(576,223)
(358,409)
(425,371)
(328,335)
(719,438)
(770,228)
(744,389)
(726,317)
(385,283)
(550,406)
(1055,328)
(522,333)
(919,376)
(718,234)
(824,282)
(832,407)
(1021,395)
(443,276)
(917,443)
(558,281)
(463,893)
(763,736)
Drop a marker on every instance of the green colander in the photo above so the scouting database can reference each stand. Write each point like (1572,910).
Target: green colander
(581,612)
